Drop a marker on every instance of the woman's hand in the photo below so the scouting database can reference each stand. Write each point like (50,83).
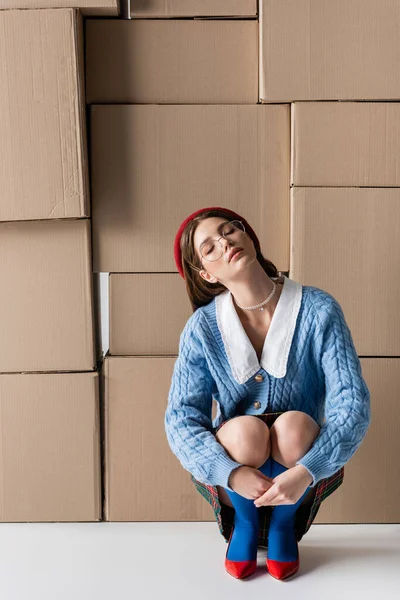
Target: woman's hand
(249,482)
(287,487)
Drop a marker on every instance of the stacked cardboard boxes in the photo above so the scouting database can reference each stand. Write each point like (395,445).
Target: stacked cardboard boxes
(49,389)
(170,144)
(337,63)
(285,111)
(175,126)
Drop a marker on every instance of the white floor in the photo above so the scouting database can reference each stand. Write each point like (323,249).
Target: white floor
(186,560)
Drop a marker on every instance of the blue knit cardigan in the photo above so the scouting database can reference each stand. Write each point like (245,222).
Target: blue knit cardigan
(309,363)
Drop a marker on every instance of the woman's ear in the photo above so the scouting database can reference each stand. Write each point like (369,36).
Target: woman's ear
(208,277)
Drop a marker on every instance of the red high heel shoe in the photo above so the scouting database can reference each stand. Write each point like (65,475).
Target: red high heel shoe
(239,568)
(283,570)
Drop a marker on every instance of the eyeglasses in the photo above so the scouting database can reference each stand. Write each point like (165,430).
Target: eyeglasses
(212,250)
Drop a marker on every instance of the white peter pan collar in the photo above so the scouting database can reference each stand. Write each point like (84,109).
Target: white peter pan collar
(240,352)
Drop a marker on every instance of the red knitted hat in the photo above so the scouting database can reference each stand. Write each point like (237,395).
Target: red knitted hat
(177,247)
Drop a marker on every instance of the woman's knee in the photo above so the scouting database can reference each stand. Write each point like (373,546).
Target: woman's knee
(246,439)
(292,435)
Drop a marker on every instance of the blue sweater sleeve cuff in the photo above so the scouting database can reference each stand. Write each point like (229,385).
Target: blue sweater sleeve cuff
(316,464)
(221,468)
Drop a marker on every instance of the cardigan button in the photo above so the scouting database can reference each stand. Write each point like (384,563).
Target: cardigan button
(257,404)
(259,377)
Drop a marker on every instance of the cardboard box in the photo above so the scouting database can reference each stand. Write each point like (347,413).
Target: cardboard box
(153,61)
(50,466)
(193,8)
(346,241)
(148,311)
(89,7)
(345,144)
(371,485)
(153,165)
(138,460)
(46,302)
(43,149)
(329,50)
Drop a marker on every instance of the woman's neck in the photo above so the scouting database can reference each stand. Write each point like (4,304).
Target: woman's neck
(256,316)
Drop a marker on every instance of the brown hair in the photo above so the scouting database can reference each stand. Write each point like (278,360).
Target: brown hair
(200,291)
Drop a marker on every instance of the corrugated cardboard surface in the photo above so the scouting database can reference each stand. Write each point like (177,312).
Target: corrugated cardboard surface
(172,61)
(43,152)
(153,165)
(347,242)
(138,460)
(50,447)
(189,8)
(329,50)
(345,144)
(371,486)
(46,303)
(148,311)
(101,285)
(89,7)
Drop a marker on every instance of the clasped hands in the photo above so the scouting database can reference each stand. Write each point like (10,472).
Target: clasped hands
(285,488)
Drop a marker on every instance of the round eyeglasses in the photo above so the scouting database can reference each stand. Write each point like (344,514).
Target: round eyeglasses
(212,249)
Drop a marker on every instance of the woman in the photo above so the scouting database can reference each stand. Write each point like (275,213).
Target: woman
(293,407)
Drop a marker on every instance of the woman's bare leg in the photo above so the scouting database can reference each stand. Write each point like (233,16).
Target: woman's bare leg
(246,440)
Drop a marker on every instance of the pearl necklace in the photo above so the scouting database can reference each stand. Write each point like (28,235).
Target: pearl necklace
(261,304)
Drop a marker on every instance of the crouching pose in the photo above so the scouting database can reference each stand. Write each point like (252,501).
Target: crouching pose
(293,407)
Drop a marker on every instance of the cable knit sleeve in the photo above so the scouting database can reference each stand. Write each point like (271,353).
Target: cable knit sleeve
(347,398)
(188,417)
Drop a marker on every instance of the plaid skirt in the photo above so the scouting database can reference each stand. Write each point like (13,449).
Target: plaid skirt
(305,514)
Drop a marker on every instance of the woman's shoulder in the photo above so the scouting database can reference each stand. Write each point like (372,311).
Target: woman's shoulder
(194,323)
(321,301)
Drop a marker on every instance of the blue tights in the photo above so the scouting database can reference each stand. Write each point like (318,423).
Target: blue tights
(282,544)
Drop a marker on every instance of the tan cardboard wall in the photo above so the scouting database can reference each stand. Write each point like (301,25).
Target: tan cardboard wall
(329,50)
(43,149)
(159,61)
(46,303)
(89,7)
(346,241)
(135,442)
(152,165)
(147,313)
(343,144)
(189,8)
(371,483)
(340,235)
(154,161)
(50,439)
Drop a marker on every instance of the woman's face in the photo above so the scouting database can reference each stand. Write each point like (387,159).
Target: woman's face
(224,268)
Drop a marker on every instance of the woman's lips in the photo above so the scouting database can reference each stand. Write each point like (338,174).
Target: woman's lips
(235,255)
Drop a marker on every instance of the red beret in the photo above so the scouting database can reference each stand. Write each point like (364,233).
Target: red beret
(234,215)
